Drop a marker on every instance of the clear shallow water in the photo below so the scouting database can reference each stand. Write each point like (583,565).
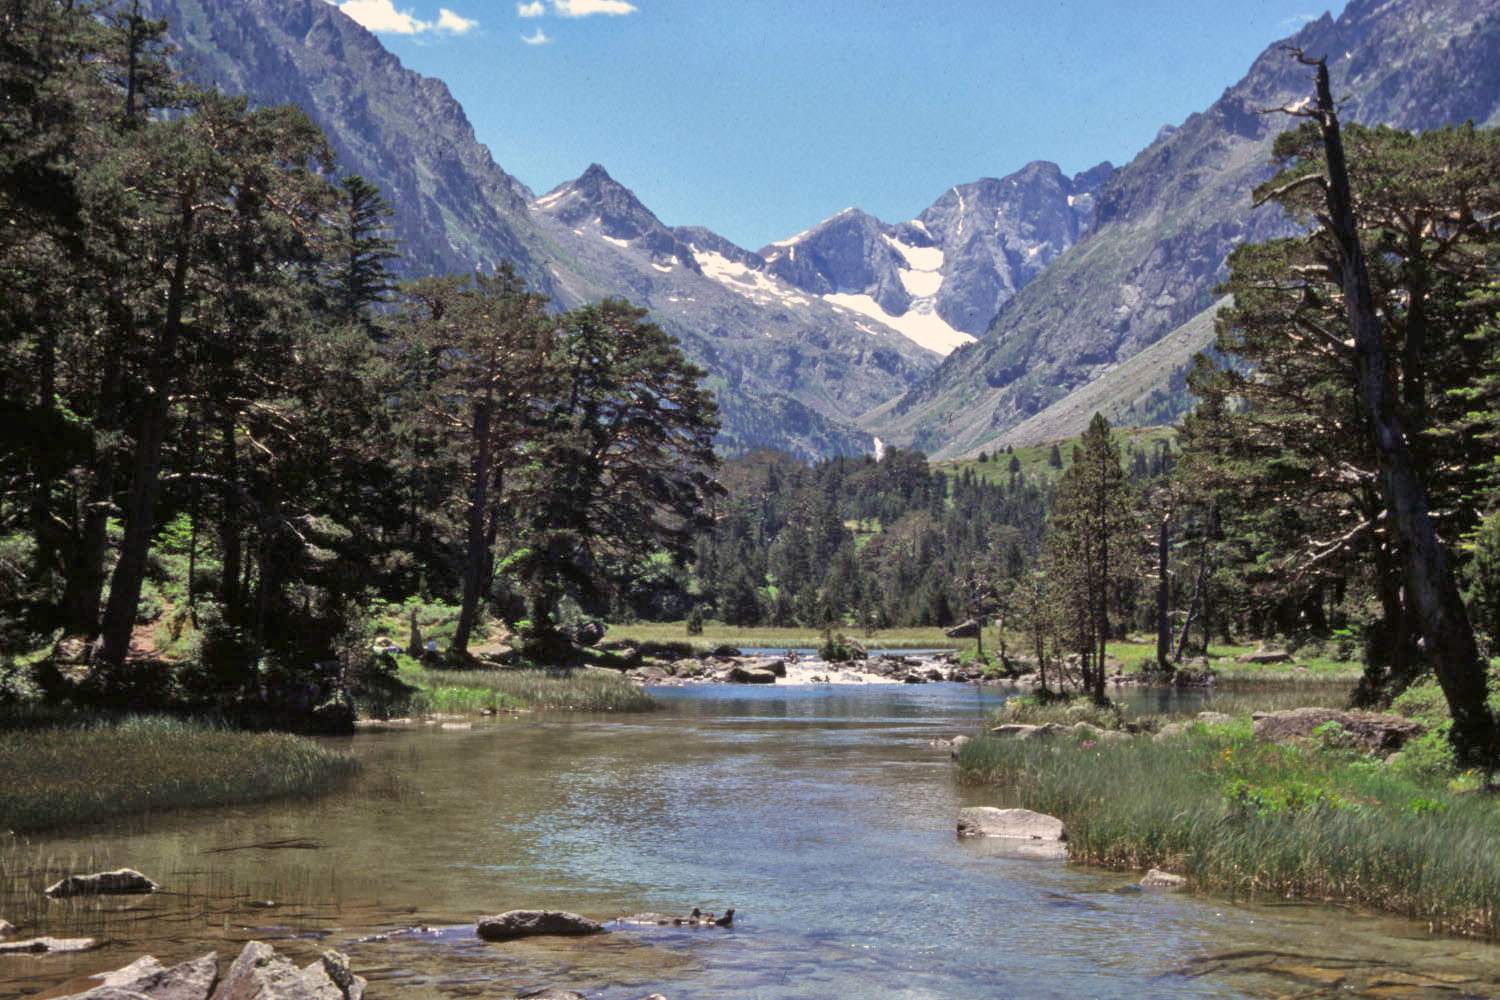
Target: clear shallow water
(821,814)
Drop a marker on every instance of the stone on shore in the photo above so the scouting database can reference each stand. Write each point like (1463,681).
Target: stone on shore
(1369,732)
(7,929)
(551,993)
(122,881)
(535,923)
(1264,655)
(963,630)
(1214,718)
(1016,824)
(958,744)
(1022,731)
(1158,879)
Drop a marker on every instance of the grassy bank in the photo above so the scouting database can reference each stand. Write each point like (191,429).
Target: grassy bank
(474,691)
(62,775)
(1243,817)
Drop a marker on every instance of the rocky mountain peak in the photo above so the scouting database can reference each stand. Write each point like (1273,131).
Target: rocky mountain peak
(596,201)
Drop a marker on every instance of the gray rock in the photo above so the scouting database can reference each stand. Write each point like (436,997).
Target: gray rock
(1017,824)
(1022,731)
(963,630)
(535,923)
(122,881)
(1158,879)
(330,978)
(551,993)
(1369,732)
(7,929)
(1171,730)
(1214,718)
(958,744)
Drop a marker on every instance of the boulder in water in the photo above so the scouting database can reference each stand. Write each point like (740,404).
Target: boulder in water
(122,881)
(535,923)
(1158,879)
(1019,824)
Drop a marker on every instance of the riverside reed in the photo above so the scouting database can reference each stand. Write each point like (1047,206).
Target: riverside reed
(1243,817)
(72,774)
(543,690)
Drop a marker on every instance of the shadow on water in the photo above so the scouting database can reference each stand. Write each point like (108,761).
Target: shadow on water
(821,814)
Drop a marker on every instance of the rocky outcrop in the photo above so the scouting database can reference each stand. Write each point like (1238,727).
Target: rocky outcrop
(7,929)
(122,881)
(1368,732)
(1016,824)
(259,973)
(535,923)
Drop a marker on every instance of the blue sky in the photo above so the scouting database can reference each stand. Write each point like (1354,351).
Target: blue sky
(759,118)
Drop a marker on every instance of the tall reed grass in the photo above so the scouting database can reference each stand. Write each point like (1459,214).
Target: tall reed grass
(78,773)
(1243,817)
(551,690)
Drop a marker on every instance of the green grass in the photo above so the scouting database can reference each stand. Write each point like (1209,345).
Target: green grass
(1311,663)
(475,691)
(63,775)
(1243,817)
(771,637)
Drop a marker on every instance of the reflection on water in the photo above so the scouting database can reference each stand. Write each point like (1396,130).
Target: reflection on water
(821,814)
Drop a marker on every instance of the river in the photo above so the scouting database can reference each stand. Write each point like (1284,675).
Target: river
(821,814)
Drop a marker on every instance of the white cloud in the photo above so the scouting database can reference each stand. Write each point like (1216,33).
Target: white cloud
(455,24)
(382,16)
(587,8)
(537,37)
(534,9)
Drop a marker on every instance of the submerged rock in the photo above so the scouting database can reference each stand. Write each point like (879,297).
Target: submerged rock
(47,945)
(1017,824)
(535,923)
(1158,879)
(697,918)
(123,881)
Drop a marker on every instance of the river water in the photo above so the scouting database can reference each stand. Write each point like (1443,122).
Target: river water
(821,814)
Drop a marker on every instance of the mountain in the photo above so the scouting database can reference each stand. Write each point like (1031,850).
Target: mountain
(759,337)
(455,209)
(791,372)
(1165,222)
(941,277)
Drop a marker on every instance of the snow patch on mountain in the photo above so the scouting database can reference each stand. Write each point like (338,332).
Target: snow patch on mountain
(921,324)
(754,285)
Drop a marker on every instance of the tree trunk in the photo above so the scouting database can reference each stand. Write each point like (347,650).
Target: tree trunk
(475,548)
(1163,596)
(140,503)
(1431,590)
